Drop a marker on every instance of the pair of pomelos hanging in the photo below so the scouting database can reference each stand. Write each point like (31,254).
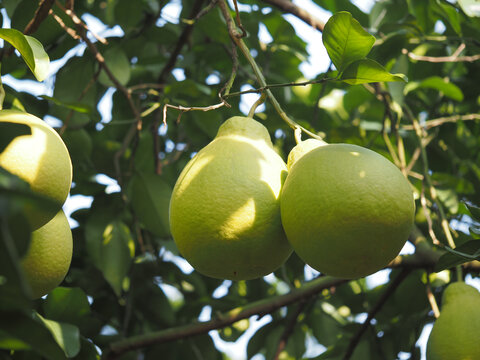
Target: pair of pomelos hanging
(41,159)
(236,214)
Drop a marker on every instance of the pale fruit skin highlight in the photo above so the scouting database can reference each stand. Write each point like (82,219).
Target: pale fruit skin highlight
(347,211)
(41,159)
(225,207)
(456,333)
(49,255)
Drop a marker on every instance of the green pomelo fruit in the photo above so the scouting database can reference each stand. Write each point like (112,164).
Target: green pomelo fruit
(225,206)
(456,333)
(347,211)
(301,149)
(41,159)
(49,255)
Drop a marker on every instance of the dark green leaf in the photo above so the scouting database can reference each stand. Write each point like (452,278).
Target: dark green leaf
(118,64)
(68,305)
(30,330)
(9,131)
(474,211)
(461,254)
(150,197)
(111,247)
(345,40)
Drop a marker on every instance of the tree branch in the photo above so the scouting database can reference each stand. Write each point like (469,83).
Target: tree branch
(383,299)
(292,321)
(40,14)
(291,8)
(261,307)
(182,40)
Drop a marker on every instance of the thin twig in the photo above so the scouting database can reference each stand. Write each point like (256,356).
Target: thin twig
(287,332)
(431,298)
(182,40)
(383,299)
(64,26)
(290,7)
(272,86)
(188,108)
(82,31)
(443,120)
(441,59)
(79,23)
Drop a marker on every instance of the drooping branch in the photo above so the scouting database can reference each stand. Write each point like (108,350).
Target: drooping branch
(289,7)
(261,307)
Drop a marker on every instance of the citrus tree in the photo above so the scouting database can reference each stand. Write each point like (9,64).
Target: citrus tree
(135,89)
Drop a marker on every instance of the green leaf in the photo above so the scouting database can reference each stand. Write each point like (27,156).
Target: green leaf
(68,305)
(118,64)
(150,196)
(13,289)
(22,328)
(470,7)
(474,210)
(442,85)
(42,61)
(461,254)
(345,40)
(366,71)
(9,131)
(67,336)
(112,248)
(78,107)
(31,50)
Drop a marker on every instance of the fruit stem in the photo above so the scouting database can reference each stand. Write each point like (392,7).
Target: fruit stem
(236,36)
(2,94)
(257,103)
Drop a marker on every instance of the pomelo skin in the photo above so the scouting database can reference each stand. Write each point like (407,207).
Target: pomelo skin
(456,333)
(225,206)
(41,159)
(49,255)
(346,210)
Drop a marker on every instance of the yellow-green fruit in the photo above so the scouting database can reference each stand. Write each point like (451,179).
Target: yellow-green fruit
(456,333)
(301,149)
(49,255)
(41,159)
(225,206)
(346,210)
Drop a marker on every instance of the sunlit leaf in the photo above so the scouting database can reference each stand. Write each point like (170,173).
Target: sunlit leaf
(345,40)
(31,50)
(366,71)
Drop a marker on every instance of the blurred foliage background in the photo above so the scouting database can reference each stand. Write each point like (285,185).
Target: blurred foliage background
(107,96)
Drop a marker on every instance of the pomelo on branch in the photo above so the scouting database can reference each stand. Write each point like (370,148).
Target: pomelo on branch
(456,333)
(49,255)
(225,206)
(41,159)
(346,210)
